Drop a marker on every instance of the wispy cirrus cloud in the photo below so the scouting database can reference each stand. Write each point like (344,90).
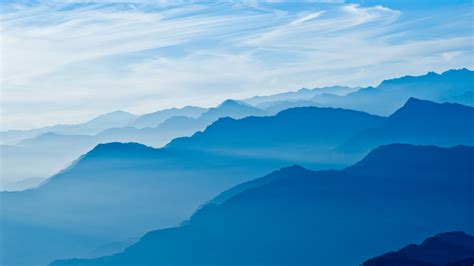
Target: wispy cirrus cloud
(67,61)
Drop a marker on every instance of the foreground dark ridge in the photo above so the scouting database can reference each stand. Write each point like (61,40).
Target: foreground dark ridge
(446,249)
(298,216)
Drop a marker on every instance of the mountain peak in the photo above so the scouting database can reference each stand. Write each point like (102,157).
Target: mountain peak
(118,113)
(112,118)
(417,107)
(412,101)
(115,149)
(230,102)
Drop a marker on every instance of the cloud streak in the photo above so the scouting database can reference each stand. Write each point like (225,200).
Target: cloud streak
(64,62)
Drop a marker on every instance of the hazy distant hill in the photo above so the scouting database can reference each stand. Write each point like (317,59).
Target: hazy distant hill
(93,126)
(48,153)
(451,86)
(398,193)
(130,188)
(117,119)
(299,95)
(419,122)
(118,183)
(291,132)
(156,118)
(446,249)
(179,126)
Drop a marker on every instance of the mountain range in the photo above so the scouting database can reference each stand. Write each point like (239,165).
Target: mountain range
(303,217)
(93,196)
(419,122)
(119,191)
(450,86)
(446,249)
(50,152)
(156,129)
(178,177)
(117,119)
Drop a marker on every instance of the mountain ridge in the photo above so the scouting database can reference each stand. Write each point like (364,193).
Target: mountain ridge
(308,200)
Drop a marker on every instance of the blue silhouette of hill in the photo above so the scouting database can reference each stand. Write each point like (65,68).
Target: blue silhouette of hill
(318,128)
(158,128)
(419,122)
(300,98)
(450,86)
(121,190)
(119,182)
(301,217)
(156,118)
(446,249)
(46,154)
(91,127)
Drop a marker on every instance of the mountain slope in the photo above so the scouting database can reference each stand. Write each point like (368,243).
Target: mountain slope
(321,218)
(156,118)
(50,152)
(323,128)
(450,86)
(419,122)
(179,126)
(446,249)
(118,191)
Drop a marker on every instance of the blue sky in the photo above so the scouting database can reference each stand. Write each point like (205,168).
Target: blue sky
(67,61)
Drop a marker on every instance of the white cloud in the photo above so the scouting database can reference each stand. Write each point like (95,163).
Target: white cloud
(65,62)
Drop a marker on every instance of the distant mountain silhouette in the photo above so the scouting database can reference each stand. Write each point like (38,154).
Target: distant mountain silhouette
(446,249)
(450,86)
(156,118)
(179,126)
(131,188)
(44,155)
(300,95)
(117,119)
(278,106)
(93,126)
(321,128)
(419,122)
(295,216)
(50,152)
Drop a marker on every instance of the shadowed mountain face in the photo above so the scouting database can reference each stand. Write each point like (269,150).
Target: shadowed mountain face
(419,122)
(450,86)
(118,191)
(294,130)
(297,217)
(446,249)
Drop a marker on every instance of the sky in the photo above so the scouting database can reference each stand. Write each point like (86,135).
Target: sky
(67,61)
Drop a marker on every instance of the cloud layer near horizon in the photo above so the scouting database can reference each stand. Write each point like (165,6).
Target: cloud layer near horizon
(66,61)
